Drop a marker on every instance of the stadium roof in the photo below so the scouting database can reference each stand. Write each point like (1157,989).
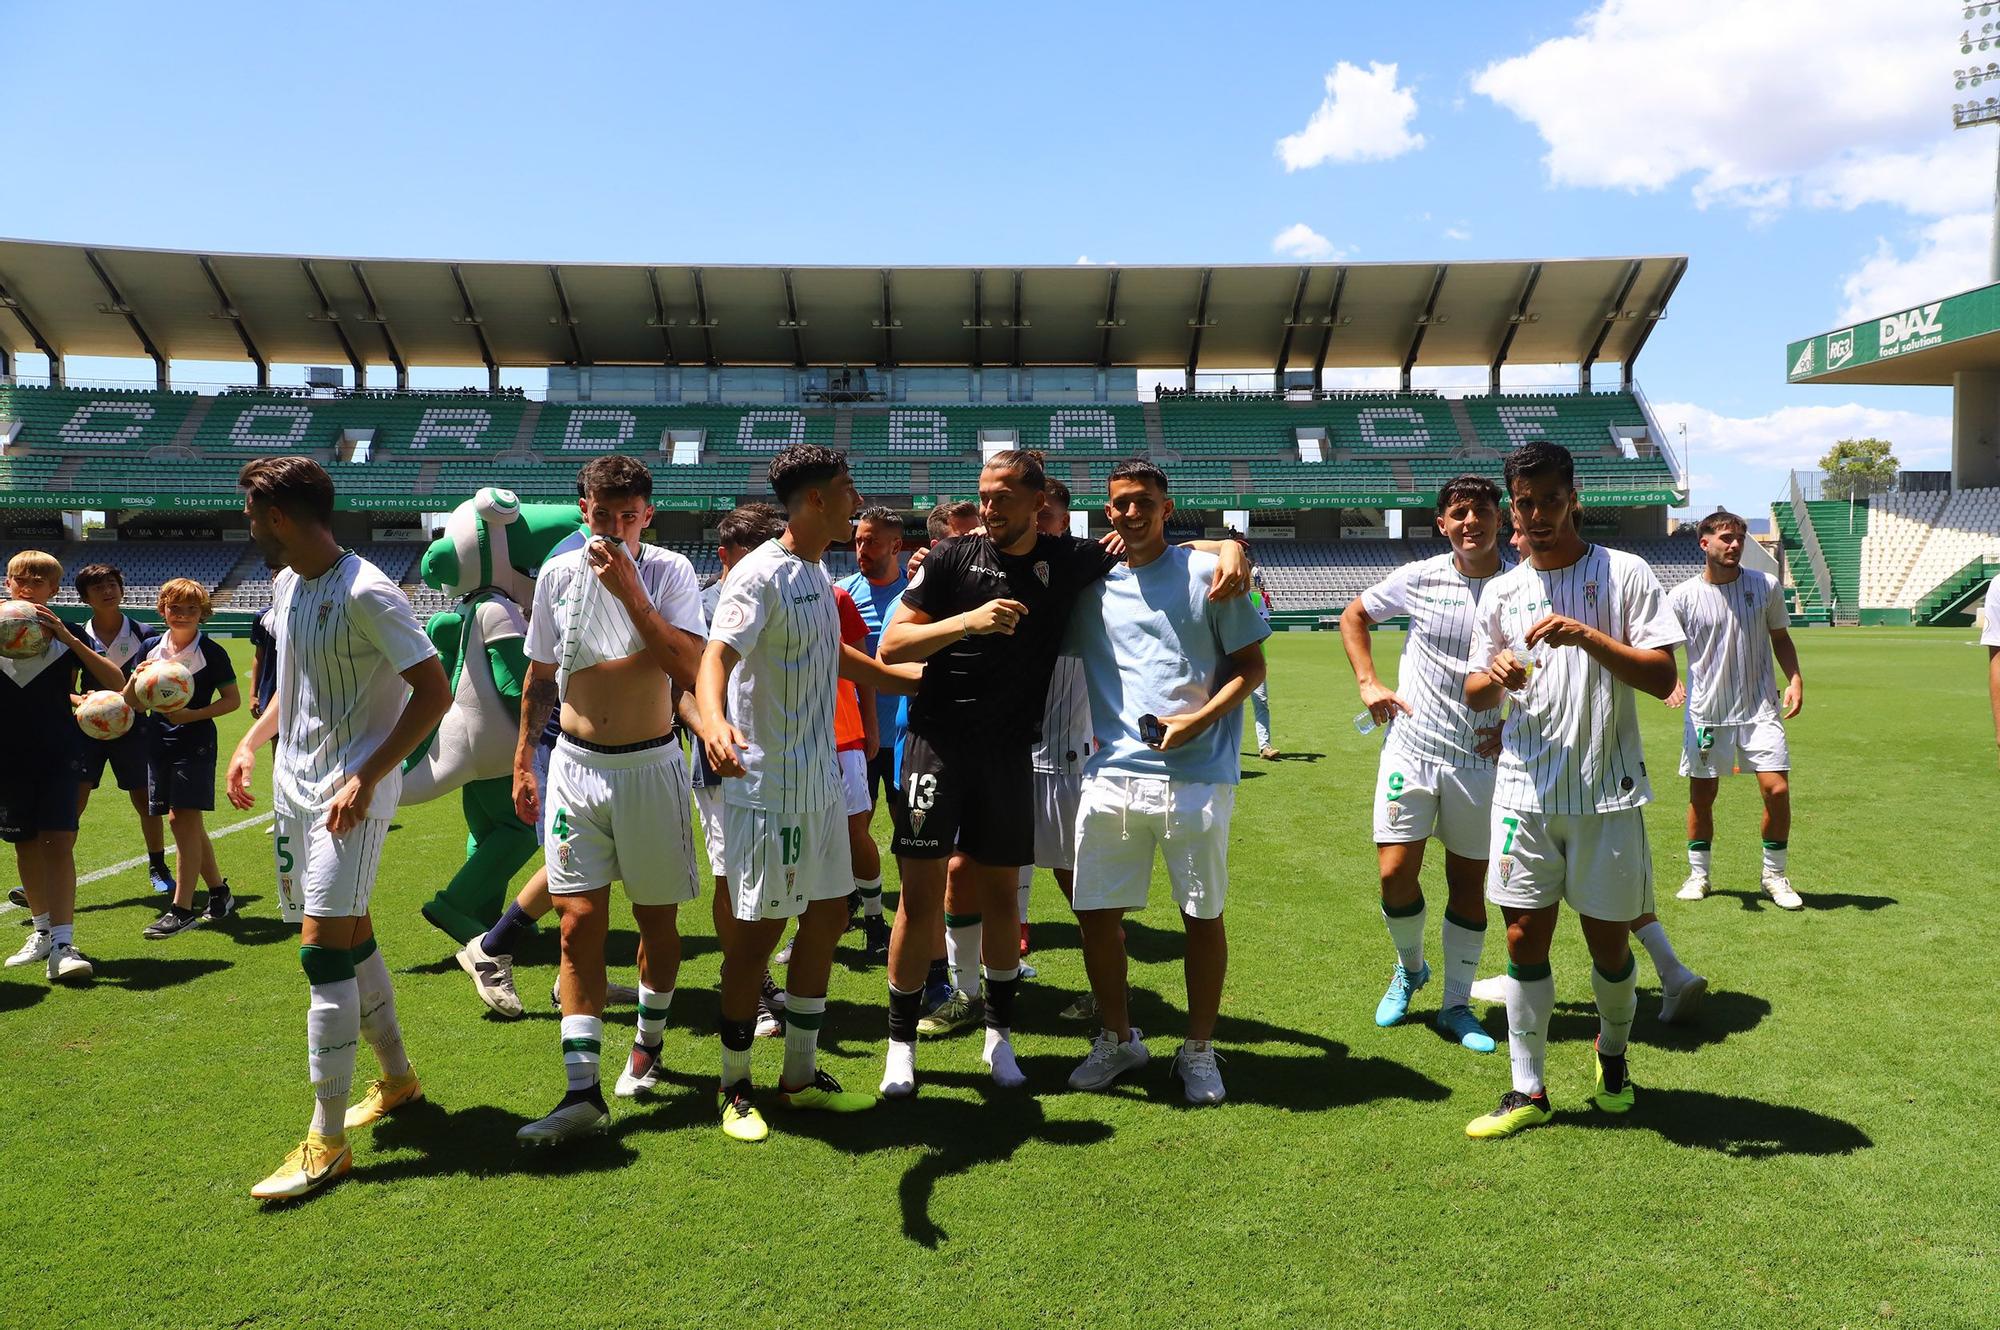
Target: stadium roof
(1925,344)
(63,299)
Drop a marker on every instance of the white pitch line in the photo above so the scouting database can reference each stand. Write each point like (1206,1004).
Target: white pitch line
(129,864)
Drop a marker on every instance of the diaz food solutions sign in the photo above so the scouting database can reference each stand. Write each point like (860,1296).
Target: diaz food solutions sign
(1919,328)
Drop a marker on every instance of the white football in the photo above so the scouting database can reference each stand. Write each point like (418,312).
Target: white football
(163,685)
(104,715)
(21,633)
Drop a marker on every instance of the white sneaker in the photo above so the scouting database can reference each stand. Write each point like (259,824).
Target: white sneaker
(1083,1009)
(492,978)
(1695,888)
(565,1124)
(1493,988)
(899,1073)
(1109,1059)
(36,948)
(1779,888)
(642,1070)
(68,965)
(1194,1063)
(1682,1002)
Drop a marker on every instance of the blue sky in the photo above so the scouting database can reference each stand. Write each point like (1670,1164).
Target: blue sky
(1047,133)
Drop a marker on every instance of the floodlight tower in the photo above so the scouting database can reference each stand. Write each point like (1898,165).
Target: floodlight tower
(1978,111)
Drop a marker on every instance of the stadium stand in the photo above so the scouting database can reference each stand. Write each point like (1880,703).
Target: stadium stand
(147,564)
(1916,542)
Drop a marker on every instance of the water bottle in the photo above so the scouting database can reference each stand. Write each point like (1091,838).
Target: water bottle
(1364,722)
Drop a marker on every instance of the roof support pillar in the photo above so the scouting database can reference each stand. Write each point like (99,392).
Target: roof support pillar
(793,323)
(162,374)
(702,321)
(1332,320)
(1611,317)
(374,316)
(1514,322)
(1197,324)
(470,318)
(493,379)
(234,317)
(887,325)
(6,366)
(20,313)
(1424,321)
(331,316)
(1291,326)
(568,319)
(660,319)
(1653,317)
(1110,322)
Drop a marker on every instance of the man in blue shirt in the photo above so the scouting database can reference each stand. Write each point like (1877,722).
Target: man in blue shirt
(1168,669)
(878,549)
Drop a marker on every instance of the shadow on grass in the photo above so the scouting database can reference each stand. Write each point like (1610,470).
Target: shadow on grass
(19,997)
(253,930)
(478,1141)
(149,974)
(1289,757)
(543,949)
(1730,1124)
(1722,1014)
(1757,901)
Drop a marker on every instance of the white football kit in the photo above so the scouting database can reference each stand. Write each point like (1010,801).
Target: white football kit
(1990,635)
(1430,780)
(1567,822)
(344,640)
(1057,760)
(1732,715)
(614,815)
(785,829)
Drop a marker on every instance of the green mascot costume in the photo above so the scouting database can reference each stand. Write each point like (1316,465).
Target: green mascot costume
(491,548)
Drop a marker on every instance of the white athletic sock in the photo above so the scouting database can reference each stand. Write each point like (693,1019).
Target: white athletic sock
(1653,937)
(1027,889)
(378,1015)
(961,951)
(735,1064)
(1774,857)
(62,935)
(582,1046)
(999,1055)
(40,921)
(803,1017)
(1407,932)
(1530,1003)
(899,1070)
(1699,855)
(1462,946)
(871,895)
(653,1006)
(333,1035)
(1617,1004)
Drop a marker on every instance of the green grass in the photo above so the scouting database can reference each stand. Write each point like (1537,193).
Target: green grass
(1814,1153)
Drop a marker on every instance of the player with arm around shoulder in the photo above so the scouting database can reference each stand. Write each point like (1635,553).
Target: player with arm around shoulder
(1568,634)
(1433,779)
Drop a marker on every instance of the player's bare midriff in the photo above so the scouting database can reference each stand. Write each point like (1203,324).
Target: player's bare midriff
(618,701)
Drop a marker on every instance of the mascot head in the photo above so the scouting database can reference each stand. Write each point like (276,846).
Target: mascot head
(495,540)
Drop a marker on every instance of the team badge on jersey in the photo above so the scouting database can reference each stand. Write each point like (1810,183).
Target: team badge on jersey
(1590,593)
(324,611)
(1042,571)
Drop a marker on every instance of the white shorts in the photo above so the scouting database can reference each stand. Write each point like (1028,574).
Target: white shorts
(1711,751)
(542,752)
(1415,801)
(1598,864)
(619,817)
(1122,820)
(708,803)
(781,862)
(854,782)
(1056,798)
(321,874)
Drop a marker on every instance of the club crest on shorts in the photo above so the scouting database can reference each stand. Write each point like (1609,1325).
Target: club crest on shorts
(1042,571)
(1590,593)
(917,816)
(1505,868)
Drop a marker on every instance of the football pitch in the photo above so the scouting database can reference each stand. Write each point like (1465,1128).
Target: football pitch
(1812,1151)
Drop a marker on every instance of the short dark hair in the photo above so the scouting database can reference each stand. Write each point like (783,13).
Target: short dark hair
(1057,491)
(938,524)
(614,475)
(1478,489)
(880,516)
(1711,524)
(297,486)
(1138,468)
(751,525)
(802,466)
(90,577)
(1023,462)
(1539,457)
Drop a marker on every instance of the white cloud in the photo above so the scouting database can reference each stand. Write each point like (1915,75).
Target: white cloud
(1086,260)
(1458,232)
(1796,437)
(1834,102)
(1299,241)
(1950,255)
(1364,117)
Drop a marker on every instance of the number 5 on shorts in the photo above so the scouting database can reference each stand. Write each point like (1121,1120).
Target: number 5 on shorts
(1513,824)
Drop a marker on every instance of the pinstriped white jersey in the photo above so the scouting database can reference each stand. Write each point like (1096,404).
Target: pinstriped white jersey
(344,640)
(1571,745)
(1066,735)
(1442,604)
(777,613)
(1989,636)
(578,623)
(1730,679)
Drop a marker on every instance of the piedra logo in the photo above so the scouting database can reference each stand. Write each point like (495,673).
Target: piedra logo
(1912,330)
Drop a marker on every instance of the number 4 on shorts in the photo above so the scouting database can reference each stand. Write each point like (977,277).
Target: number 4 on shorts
(560,827)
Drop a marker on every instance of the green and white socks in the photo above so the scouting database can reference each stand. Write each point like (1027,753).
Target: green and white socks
(1406,931)
(1774,858)
(653,1007)
(1700,853)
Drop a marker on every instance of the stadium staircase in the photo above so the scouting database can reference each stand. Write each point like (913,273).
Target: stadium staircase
(1952,602)
(1840,529)
(1804,599)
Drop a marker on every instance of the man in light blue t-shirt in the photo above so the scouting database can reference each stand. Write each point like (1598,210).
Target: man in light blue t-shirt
(1168,670)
